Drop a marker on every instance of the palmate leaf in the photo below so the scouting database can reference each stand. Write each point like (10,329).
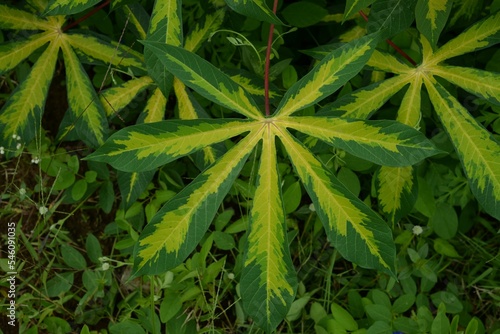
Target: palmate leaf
(353,228)
(382,142)
(478,151)
(205,78)
(68,7)
(147,146)
(12,54)
(431,17)
(256,9)
(11,18)
(86,112)
(21,114)
(177,228)
(397,191)
(268,280)
(325,78)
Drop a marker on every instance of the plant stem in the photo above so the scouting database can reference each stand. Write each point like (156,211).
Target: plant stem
(86,16)
(391,43)
(268,60)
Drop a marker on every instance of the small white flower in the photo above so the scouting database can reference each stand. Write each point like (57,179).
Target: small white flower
(2,150)
(417,229)
(43,210)
(105,266)
(35,160)
(311,207)
(22,191)
(14,136)
(18,138)
(230,276)
(18,146)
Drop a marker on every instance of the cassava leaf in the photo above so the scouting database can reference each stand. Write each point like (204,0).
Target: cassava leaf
(354,6)
(479,152)
(132,185)
(180,224)
(116,98)
(484,33)
(85,109)
(154,111)
(397,191)
(144,147)
(165,27)
(256,9)
(68,7)
(352,227)
(12,54)
(330,74)
(202,31)
(11,18)
(21,114)
(382,142)
(268,281)
(431,17)
(389,17)
(205,78)
(480,83)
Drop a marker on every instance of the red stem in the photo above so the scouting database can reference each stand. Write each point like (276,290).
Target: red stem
(268,61)
(86,16)
(391,43)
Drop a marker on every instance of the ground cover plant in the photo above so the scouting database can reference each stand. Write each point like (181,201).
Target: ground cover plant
(301,167)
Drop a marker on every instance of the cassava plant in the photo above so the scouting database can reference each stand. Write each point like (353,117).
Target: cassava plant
(477,149)
(268,280)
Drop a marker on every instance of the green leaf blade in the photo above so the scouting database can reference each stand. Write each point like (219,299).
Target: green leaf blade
(479,152)
(268,281)
(256,9)
(68,7)
(11,18)
(431,17)
(483,34)
(389,17)
(21,114)
(11,54)
(144,147)
(205,78)
(396,191)
(387,143)
(329,75)
(86,112)
(481,83)
(180,224)
(354,229)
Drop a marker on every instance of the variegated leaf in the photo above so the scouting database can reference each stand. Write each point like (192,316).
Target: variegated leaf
(11,54)
(154,111)
(205,78)
(481,83)
(484,33)
(354,6)
(180,224)
(138,19)
(387,143)
(431,17)
(85,109)
(132,185)
(353,228)
(21,115)
(256,9)
(144,147)
(327,76)
(68,7)
(477,149)
(189,108)
(15,19)
(202,31)
(365,101)
(116,98)
(268,281)
(104,51)
(386,62)
(396,191)
(409,111)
